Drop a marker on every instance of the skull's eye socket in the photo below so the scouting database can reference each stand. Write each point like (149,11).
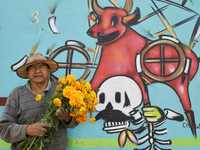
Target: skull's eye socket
(102,98)
(98,20)
(127,100)
(114,21)
(118,97)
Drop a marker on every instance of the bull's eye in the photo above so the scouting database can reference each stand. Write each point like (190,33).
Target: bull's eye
(114,21)
(118,97)
(102,98)
(98,20)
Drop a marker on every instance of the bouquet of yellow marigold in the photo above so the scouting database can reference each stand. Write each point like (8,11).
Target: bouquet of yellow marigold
(74,96)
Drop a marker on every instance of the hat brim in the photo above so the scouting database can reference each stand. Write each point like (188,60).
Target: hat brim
(23,73)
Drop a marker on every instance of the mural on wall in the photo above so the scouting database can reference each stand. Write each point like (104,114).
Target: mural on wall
(125,63)
(125,52)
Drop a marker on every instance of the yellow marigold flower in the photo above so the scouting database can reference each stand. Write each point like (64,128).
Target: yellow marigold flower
(90,104)
(76,99)
(57,102)
(92,120)
(74,113)
(60,80)
(96,101)
(38,97)
(81,119)
(92,109)
(88,87)
(71,79)
(68,91)
(85,85)
(81,103)
(64,81)
(82,111)
(77,85)
(93,94)
(57,87)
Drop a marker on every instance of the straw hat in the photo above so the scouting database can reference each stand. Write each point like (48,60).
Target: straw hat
(34,59)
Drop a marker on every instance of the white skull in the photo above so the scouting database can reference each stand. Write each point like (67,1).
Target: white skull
(122,92)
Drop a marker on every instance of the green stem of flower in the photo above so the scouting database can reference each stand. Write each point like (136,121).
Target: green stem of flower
(32,142)
(21,143)
(90,113)
(37,140)
(29,139)
(34,118)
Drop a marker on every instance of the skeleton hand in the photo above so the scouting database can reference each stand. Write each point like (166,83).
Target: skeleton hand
(153,114)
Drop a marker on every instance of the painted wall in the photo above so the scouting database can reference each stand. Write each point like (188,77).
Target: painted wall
(49,24)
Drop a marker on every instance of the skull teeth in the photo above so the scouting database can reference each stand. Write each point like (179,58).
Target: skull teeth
(109,124)
(112,127)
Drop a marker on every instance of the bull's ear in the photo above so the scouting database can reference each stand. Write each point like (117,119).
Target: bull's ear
(131,19)
(92,16)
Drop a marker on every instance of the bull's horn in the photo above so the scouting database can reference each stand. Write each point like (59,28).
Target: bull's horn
(132,19)
(97,9)
(128,5)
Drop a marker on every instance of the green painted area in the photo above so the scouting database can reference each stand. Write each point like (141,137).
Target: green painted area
(4,144)
(85,143)
(185,142)
(112,142)
(90,143)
